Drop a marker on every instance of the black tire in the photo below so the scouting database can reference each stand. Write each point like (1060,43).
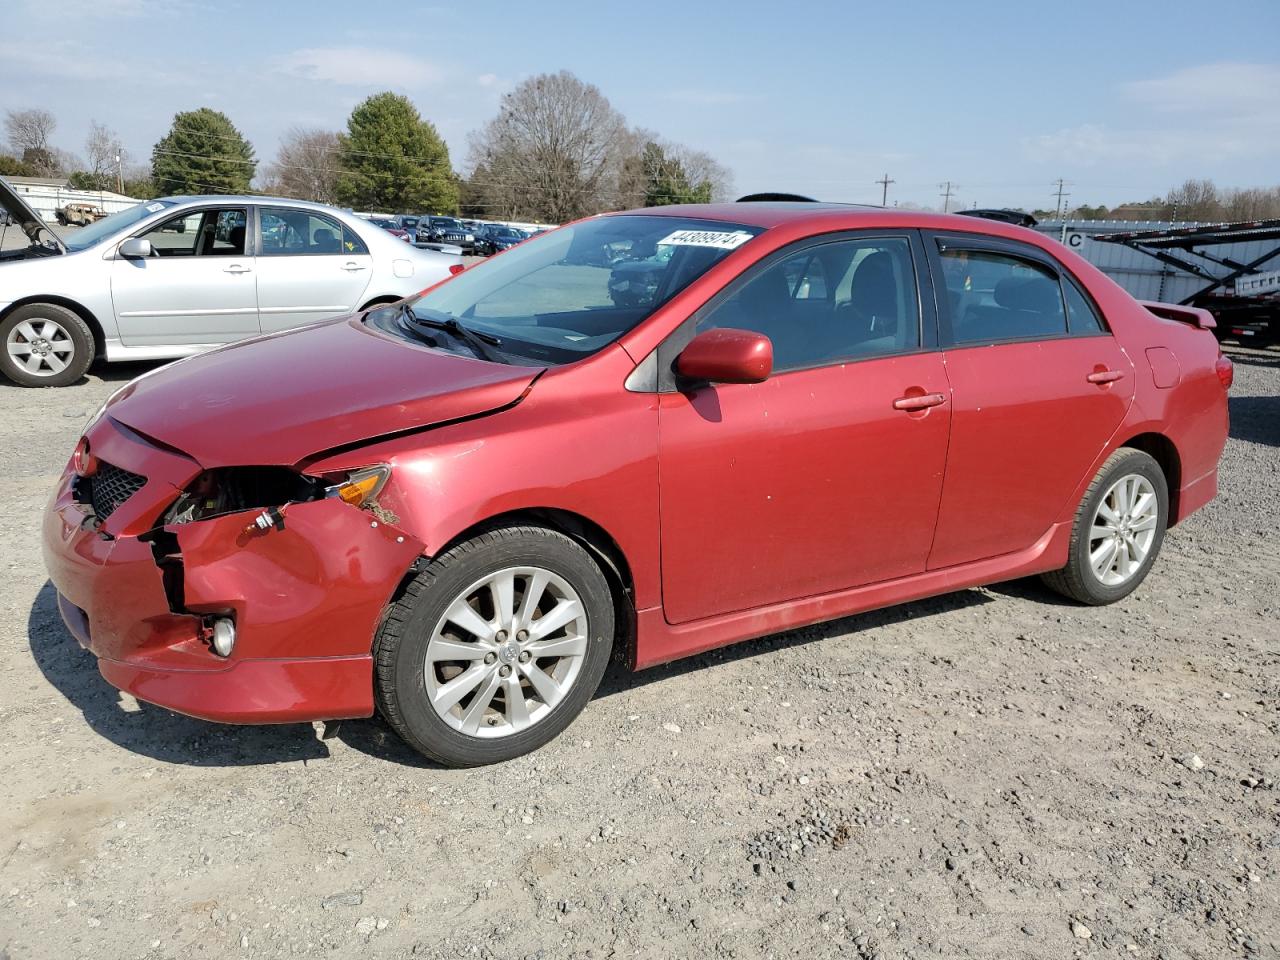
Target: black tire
(77,333)
(1077,579)
(400,647)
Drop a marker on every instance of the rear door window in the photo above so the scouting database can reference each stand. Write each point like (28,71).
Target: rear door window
(992,297)
(287,232)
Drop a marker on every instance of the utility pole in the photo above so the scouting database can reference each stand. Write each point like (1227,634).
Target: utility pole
(948,191)
(1061,184)
(119,176)
(1061,208)
(884,194)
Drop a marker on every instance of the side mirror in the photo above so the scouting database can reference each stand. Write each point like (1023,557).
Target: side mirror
(135,248)
(727,356)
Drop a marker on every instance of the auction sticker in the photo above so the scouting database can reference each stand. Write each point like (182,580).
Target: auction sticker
(721,240)
(155,207)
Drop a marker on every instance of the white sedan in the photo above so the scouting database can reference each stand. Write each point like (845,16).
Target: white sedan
(175,276)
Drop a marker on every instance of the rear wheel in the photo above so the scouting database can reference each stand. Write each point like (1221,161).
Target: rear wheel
(45,345)
(1118,530)
(495,646)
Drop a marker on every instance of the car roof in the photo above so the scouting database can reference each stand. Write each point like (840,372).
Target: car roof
(255,199)
(829,216)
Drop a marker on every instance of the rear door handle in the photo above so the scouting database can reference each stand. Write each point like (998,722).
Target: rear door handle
(922,402)
(352,267)
(236,268)
(1105,376)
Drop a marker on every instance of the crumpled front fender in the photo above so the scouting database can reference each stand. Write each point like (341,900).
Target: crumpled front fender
(317,588)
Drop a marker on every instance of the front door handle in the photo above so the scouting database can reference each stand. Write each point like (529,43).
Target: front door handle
(352,267)
(921,402)
(1105,376)
(236,268)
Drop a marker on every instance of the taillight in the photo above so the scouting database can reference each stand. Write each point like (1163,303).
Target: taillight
(84,463)
(1226,371)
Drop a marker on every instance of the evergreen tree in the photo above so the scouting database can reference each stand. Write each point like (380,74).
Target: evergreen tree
(202,153)
(392,160)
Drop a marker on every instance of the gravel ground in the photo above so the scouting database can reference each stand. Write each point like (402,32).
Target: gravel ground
(995,773)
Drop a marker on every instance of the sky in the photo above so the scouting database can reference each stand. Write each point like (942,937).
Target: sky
(1122,99)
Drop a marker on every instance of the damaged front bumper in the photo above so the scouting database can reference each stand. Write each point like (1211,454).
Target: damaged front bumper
(305,600)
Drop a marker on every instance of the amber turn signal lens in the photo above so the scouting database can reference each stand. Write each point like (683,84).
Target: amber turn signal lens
(361,486)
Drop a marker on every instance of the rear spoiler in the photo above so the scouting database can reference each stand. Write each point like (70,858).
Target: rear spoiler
(1172,311)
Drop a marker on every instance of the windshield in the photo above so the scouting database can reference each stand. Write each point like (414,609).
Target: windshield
(445,222)
(566,294)
(86,237)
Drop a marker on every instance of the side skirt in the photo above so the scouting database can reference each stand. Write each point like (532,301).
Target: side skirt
(658,641)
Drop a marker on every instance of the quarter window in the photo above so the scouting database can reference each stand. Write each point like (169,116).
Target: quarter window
(1081,317)
(995,297)
(287,232)
(843,300)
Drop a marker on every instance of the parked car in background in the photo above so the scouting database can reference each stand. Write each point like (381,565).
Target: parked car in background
(495,238)
(176,276)
(79,214)
(392,227)
(408,223)
(446,230)
(452,511)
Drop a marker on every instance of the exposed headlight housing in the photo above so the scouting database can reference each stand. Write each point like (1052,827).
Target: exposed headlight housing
(236,489)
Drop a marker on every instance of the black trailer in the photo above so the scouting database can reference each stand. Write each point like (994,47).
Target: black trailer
(1242,295)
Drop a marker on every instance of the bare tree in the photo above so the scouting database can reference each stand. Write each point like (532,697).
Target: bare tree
(306,166)
(1194,200)
(1252,203)
(29,133)
(703,171)
(656,171)
(105,155)
(552,153)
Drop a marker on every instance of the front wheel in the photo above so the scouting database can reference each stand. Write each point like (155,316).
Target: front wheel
(495,646)
(45,345)
(1118,530)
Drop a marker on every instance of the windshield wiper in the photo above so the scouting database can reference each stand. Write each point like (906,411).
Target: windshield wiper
(480,343)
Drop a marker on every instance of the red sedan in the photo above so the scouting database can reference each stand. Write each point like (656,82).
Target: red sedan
(654,433)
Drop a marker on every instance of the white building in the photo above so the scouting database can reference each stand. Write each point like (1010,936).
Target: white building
(47,195)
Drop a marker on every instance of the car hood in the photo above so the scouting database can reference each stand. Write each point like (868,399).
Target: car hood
(30,221)
(284,398)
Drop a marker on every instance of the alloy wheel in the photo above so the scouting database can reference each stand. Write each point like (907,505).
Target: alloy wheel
(1123,530)
(506,652)
(40,346)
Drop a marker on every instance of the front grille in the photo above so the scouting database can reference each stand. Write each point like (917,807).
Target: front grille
(111,486)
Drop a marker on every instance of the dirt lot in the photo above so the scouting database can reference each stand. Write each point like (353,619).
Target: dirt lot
(992,774)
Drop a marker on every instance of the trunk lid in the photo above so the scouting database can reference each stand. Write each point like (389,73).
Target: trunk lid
(279,400)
